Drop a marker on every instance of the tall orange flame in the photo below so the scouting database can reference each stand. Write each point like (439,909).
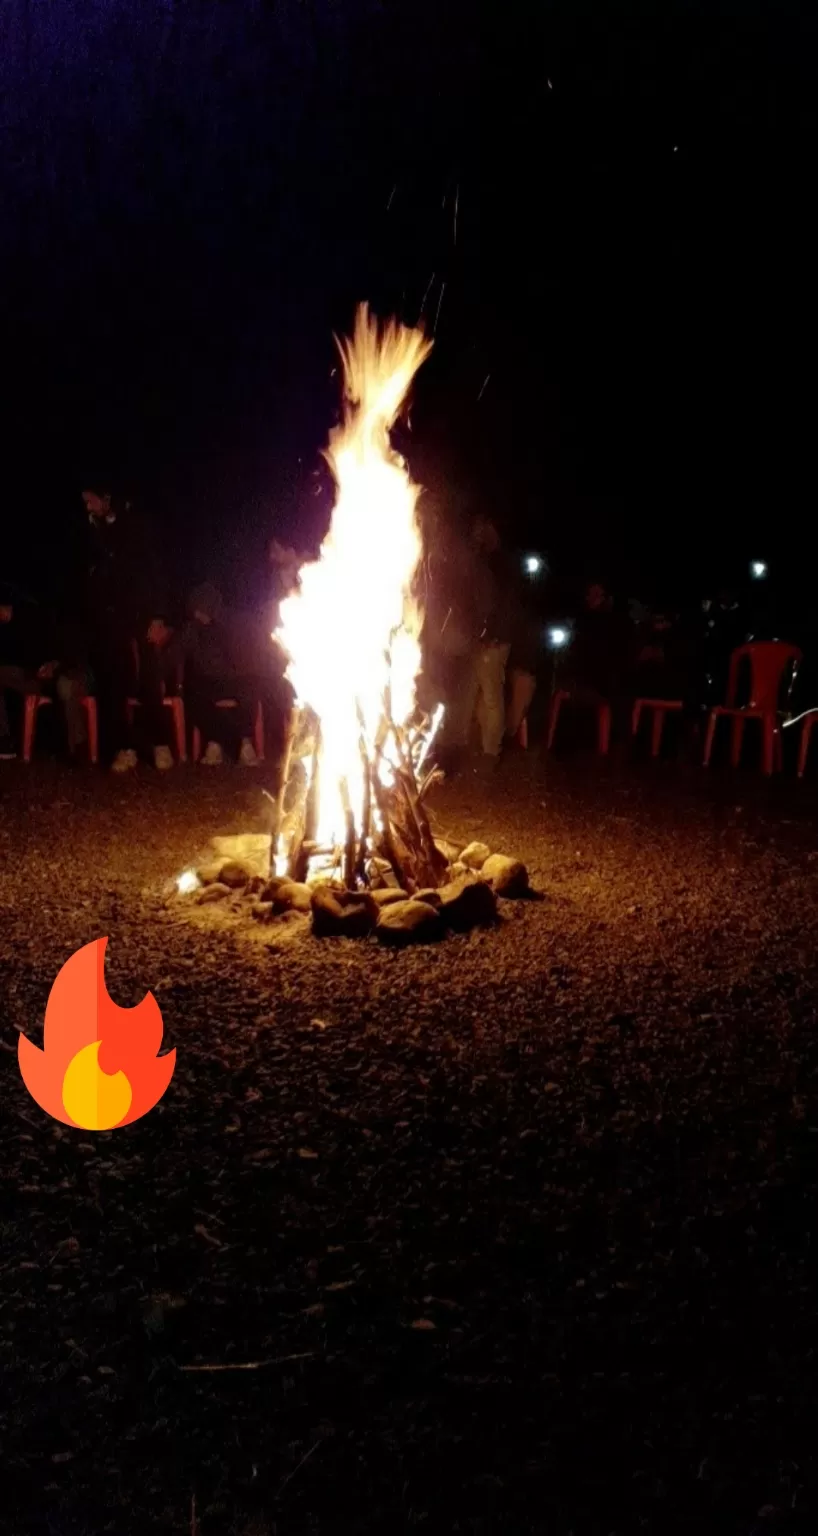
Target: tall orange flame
(352,630)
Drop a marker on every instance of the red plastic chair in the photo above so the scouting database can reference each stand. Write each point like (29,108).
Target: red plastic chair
(768,661)
(603,720)
(34,703)
(659,708)
(258,729)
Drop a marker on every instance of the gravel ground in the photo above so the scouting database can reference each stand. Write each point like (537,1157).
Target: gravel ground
(520,1227)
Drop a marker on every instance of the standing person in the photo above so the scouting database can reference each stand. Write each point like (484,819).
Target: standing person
(212,672)
(125,596)
(484,619)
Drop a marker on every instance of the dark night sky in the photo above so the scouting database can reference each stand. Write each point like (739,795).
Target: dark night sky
(195,195)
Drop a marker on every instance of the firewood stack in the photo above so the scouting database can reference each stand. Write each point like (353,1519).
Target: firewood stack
(393,825)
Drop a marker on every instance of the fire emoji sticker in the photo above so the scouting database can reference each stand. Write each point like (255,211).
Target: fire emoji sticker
(98,1067)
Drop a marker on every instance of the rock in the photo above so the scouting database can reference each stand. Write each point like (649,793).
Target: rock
(234,874)
(387,894)
(409,922)
(251,849)
(262,911)
(255,885)
(209,873)
(508,877)
(342,914)
(271,887)
(292,896)
(430,895)
(458,870)
(213,892)
(467,903)
(475,855)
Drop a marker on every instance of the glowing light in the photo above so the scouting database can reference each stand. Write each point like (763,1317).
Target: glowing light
(558,637)
(758,569)
(532,565)
(188,881)
(352,630)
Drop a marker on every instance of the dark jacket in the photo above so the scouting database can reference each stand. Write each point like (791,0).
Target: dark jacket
(126,584)
(207,650)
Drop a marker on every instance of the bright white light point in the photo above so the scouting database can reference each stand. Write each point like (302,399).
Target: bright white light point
(758,569)
(533,564)
(186,882)
(558,637)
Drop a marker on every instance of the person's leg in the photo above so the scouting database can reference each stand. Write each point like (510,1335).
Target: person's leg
(463,695)
(522,687)
(153,724)
(492,674)
(71,688)
(114,670)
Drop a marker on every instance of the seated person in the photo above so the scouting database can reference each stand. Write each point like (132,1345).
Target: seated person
(36,658)
(659,668)
(146,732)
(212,672)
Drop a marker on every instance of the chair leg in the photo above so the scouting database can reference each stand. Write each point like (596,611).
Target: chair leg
(259,731)
(736,740)
(604,728)
(656,732)
(556,706)
(803,749)
(29,723)
(636,715)
(522,734)
(178,709)
(196,744)
(768,744)
(708,740)
(93,729)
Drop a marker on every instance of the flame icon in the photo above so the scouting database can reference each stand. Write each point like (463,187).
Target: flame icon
(98,1067)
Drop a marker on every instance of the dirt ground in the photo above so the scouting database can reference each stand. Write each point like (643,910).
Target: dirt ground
(514,1234)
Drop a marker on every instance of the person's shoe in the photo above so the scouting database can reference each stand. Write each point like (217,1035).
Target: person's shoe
(248,756)
(8,751)
(162,758)
(213,755)
(124,761)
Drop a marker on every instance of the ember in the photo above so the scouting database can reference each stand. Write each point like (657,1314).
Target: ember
(353,781)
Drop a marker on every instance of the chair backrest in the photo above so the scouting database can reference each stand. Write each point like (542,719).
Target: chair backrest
(768,661)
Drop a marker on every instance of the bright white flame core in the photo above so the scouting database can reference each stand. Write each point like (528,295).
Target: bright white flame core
(558,637)
(533,564)
(758,569)
(352,630)
(186,882)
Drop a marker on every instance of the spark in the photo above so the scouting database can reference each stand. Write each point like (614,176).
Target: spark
(483,385)
(426,294)
(439,302)
(436,719)
(456,206)
(795,719)
(391,195)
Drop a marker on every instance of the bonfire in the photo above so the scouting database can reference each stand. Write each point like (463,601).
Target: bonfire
(355,777)
(350,841)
